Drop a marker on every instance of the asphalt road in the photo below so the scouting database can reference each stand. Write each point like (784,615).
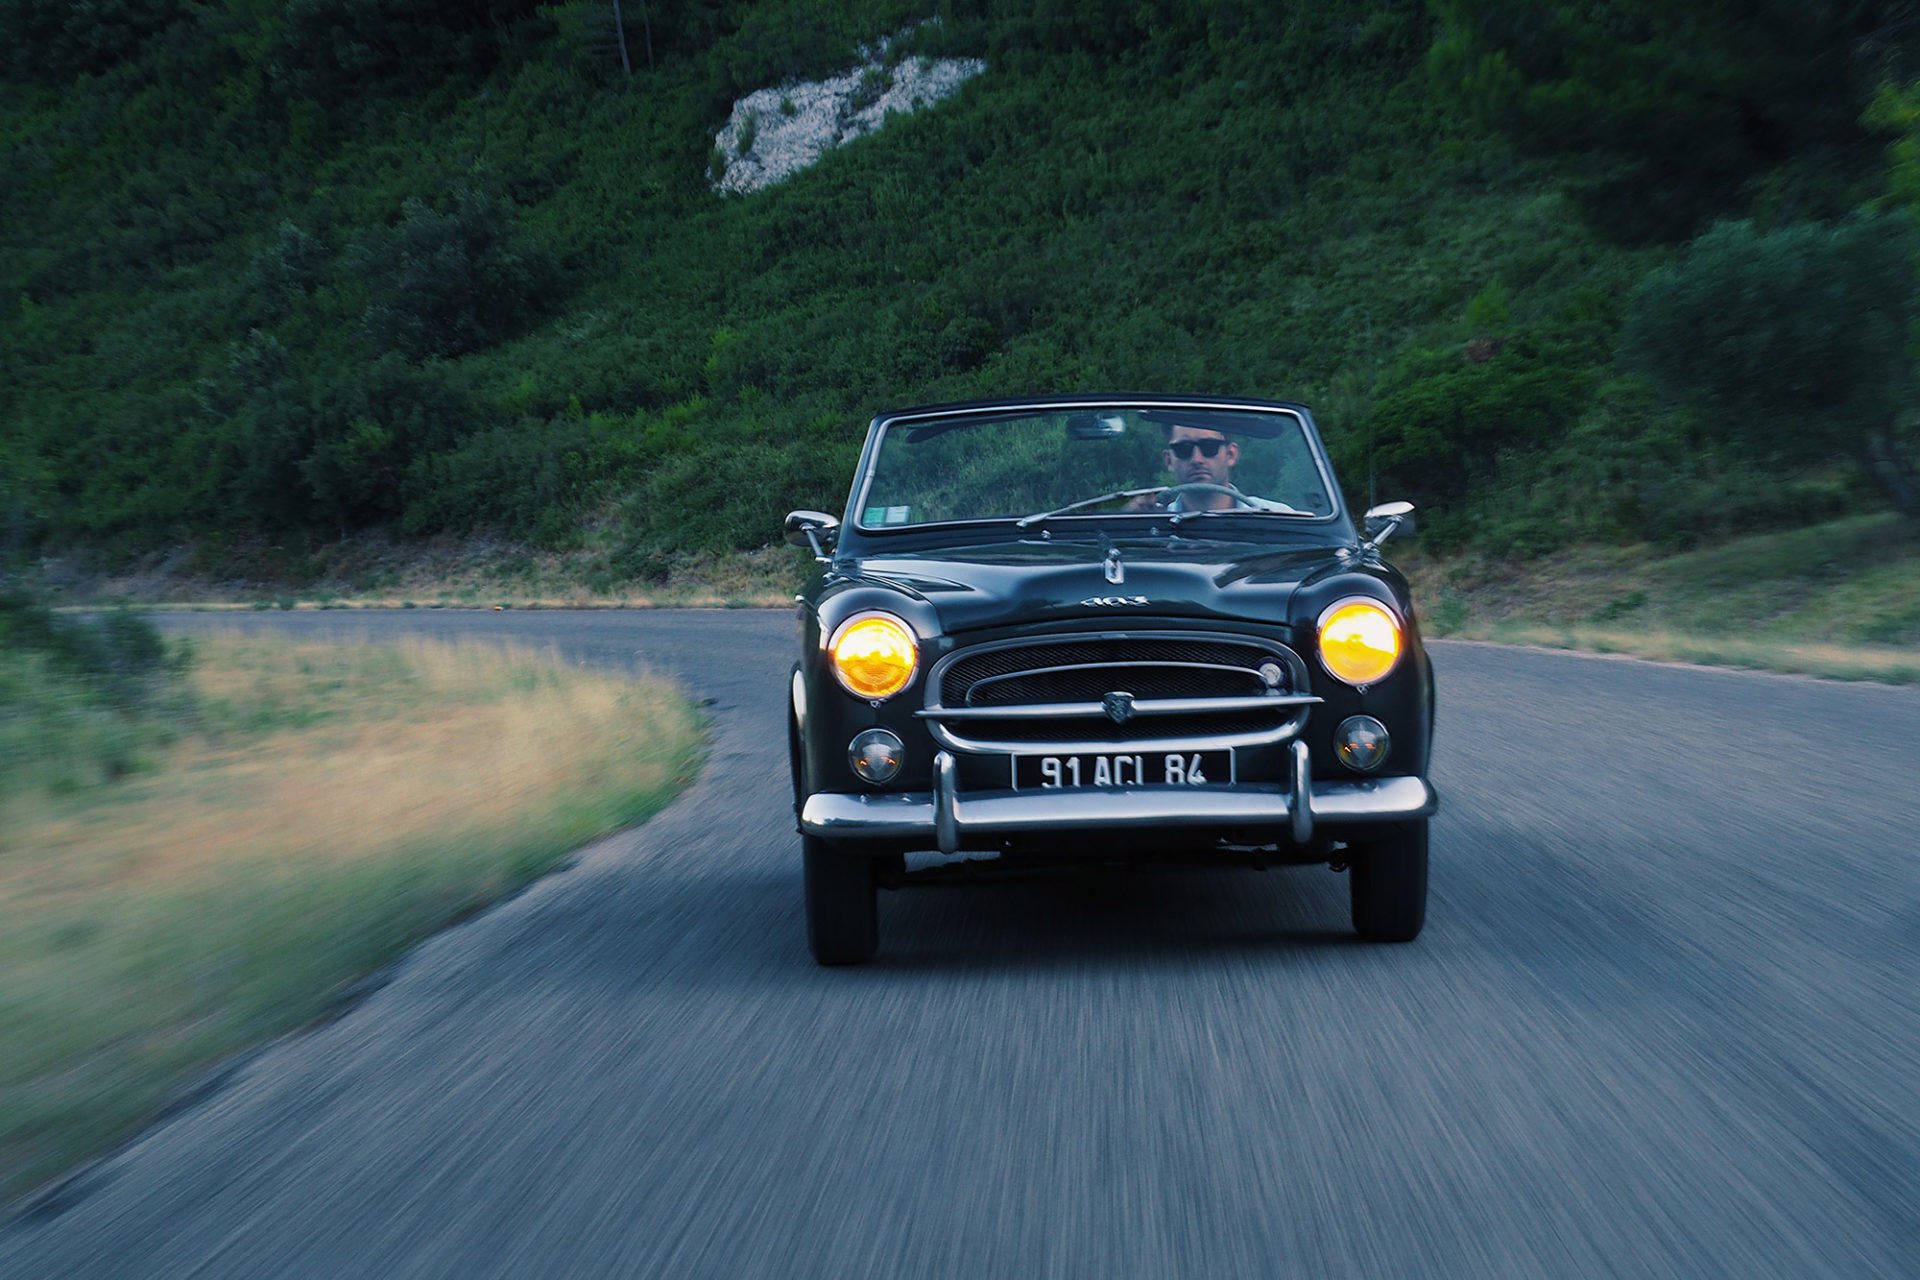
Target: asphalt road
(1662,1022)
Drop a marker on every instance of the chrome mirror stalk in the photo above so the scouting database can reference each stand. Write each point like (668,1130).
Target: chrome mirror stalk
(1383,521)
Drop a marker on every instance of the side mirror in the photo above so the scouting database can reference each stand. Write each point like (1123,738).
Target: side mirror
(1387,519)
(815,529)
(1090,426)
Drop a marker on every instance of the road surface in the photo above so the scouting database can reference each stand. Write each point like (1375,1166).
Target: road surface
(1662,1022)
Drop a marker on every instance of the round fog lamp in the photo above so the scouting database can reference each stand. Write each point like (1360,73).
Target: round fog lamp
(875,754)
(1361,743)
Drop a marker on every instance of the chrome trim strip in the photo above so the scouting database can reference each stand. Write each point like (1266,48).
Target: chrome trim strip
(1111,746)
(988,815)
(1142,707)
(1300,810)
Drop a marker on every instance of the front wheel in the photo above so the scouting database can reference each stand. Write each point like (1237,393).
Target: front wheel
(843,914)
(1389,881)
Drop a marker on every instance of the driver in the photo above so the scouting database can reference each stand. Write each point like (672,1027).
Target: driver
(1200,455)
(1197,455)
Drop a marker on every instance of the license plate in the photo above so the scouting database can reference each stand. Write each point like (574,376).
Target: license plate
(1132,769)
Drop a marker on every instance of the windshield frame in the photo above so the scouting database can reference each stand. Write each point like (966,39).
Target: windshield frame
(1337,522)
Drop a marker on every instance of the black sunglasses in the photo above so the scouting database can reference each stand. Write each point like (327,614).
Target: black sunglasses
(1183,449)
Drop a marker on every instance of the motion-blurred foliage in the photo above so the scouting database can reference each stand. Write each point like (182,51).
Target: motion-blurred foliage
(81,699)
(295,270)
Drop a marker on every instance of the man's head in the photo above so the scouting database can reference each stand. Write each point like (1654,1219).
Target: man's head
(1201,455)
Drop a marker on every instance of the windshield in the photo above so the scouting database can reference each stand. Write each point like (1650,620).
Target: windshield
(1150,461)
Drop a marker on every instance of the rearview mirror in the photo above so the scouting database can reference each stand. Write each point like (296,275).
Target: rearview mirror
(1090,426)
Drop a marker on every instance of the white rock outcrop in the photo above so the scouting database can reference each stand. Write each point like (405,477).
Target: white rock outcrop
(788,128)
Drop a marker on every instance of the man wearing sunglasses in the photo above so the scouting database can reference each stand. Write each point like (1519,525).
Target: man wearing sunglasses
(1198,455)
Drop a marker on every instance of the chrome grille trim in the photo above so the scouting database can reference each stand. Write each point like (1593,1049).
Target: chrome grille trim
(1148,707)
(985,688)
(1002,660)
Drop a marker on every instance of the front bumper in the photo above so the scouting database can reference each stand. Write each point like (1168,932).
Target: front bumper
(946,820)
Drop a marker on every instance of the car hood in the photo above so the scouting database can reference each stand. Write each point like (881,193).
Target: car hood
(1035,580)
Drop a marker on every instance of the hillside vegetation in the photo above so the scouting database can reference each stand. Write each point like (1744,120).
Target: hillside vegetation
(279,273)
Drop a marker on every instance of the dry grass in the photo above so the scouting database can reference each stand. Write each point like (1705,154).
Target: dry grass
(467,572)
(326,807)
(1839,600)
(1827,661)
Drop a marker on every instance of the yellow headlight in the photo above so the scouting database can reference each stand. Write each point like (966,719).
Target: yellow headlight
(874,656)
(1359,641)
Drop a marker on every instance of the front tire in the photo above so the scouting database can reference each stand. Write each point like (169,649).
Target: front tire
(1388,877)
(843,914)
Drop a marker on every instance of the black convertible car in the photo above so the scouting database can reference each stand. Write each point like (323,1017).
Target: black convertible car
(1118,628)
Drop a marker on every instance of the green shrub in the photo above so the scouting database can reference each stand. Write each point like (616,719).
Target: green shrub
(52,41)
(451,280)
(1792,345)
(1456,414)
(298,269)
(338,52)
(116,651)
(80,698)
(288,269)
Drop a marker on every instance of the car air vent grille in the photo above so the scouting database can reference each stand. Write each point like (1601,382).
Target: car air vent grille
(1046,674)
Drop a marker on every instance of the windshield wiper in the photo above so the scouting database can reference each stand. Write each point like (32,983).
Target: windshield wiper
(1024,521)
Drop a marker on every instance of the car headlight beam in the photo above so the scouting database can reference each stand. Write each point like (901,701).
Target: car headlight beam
(873,655)
(1360,640)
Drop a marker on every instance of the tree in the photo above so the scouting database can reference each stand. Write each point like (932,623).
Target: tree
(339,52)
(449,281)
(1667,115)
(1794,343)
(51,41)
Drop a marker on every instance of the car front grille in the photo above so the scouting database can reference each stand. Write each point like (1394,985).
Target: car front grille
(1055,692)
(1046,670)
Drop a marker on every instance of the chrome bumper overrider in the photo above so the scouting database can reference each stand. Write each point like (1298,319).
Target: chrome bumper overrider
(945,818)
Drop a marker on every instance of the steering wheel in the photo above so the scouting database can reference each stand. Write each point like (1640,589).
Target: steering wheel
(1202,486)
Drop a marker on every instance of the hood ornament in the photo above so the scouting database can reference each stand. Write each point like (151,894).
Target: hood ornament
(1118,705)
(1115,571)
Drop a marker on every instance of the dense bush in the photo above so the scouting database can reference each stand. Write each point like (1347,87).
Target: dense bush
(1461,413)
(81,699)
(1793,344)
(307,268)
(448,281)
(54,40)
(118,654)
(1665,116)
(336,52)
